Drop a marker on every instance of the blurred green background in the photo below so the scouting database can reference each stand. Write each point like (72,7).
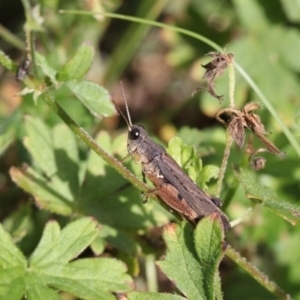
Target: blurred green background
(160,69)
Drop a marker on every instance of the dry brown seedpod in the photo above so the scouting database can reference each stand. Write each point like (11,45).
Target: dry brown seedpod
(245,118)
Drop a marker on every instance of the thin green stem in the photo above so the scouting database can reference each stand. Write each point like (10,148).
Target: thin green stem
(205,40)
(149,22)
(270,108)
(11,38)
(229,139)
(151,273)
(224,163)
(256,274)
(231,84)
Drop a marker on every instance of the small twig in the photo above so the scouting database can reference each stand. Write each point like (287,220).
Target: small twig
(229,141)
(256,274)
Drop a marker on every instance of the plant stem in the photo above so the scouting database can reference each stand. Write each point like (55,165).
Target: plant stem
(151,273)
(91,143)
(11,38)
(256,274)
(229,139)
(149,22)
(207,41)
(270,108)
(231,84)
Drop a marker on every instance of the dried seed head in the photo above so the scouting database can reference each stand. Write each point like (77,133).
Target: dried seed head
(258,163)
(236,130)
(214,69)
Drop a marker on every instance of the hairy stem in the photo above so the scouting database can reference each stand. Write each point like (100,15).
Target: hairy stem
(256,274)
(91,143)
(229,141)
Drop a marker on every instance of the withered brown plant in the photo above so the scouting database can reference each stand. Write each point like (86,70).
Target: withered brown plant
(246,118)
(215,68)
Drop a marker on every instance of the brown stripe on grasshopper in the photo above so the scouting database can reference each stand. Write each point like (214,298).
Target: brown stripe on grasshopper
(169,195)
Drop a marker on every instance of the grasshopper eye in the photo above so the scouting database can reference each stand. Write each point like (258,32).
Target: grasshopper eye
(134,134)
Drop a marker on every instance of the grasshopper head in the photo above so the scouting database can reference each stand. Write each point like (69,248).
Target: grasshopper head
(136,135)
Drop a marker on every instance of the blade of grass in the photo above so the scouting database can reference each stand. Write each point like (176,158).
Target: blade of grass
(207,41)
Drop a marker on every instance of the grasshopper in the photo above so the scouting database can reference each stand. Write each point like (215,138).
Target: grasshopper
(172,185)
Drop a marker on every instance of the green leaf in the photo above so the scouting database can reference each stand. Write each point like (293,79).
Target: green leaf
(186,157)
(94,97)
(175,149)
(46,68)
(248,10)
(45,192)
(119,239)
(7,63)
(12,286)
(40,144)
(79,64)
(192,262)
(98,245)
(260,194)
(66,159)
(12,268)
(91,278)
(10,255)
(61,247)
(291,9)
(56,154)
(8,131)
(209,237)
(208,172)
(17,222)
(41,292)
(153,296)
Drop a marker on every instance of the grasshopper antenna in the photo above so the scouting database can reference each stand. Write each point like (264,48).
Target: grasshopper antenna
(126,105)
(128,121)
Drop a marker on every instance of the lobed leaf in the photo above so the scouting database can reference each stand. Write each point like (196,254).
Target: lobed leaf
(62,246)
(93,96)
(91,278)
(260,194)
(198,262)
(12,285)
(186,157)
(209,237)
(40,145)
(10,255)
(46,193)
(77,66)
(48,267)
(208,172)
